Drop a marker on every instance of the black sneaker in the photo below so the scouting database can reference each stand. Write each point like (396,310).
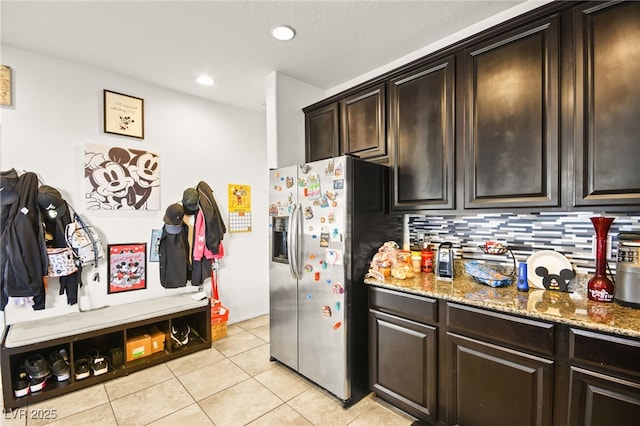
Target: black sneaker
(21,386)
(82,369)
(180,334)
(36,385)
(60,368)
(36,366)
(99,365)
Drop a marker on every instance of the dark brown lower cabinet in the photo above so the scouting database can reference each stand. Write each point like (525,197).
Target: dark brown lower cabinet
(602,400)
(403,364)
(448,363)
(604,379)
(492,385)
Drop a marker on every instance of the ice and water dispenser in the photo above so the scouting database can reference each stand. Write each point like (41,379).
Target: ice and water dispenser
(279,226)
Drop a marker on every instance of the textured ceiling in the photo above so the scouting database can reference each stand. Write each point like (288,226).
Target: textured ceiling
(169,43)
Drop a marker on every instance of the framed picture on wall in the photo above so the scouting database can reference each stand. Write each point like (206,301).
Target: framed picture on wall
(127,265)
(123,114)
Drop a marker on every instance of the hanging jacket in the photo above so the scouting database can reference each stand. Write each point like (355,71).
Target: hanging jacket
(23,254)
(173,250)
(214,225)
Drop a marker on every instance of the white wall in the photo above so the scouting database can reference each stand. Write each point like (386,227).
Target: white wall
(57,108)
(286,96)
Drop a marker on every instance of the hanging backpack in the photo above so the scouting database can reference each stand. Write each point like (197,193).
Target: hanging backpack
(84,240)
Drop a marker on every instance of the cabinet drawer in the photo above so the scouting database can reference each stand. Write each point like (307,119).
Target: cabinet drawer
(410,306)
(614,353)
(517,332)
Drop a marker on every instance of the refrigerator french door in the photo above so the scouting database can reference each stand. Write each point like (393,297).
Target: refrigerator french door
(327,220)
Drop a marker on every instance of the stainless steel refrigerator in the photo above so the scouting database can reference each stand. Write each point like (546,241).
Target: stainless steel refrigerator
(327,220)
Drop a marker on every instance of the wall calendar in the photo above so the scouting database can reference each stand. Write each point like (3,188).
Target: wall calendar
(239,208)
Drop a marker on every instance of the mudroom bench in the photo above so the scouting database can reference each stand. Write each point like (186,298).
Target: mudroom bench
(130,336)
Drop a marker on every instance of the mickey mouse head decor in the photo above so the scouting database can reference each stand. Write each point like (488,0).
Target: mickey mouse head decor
(558,281)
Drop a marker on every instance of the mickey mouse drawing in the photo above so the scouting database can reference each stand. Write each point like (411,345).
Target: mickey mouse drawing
(555,281)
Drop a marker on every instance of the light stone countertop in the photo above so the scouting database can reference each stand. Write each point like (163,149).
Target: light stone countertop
(572,308)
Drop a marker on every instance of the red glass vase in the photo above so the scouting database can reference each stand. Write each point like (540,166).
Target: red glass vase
(600,288)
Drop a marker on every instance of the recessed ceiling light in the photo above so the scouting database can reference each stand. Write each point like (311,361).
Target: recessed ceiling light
(283,32)
(205,80)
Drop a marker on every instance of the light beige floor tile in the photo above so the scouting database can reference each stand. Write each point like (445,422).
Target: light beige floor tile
(191,415)
(253,323)
(194,361)
(151,404)
(261,332)
(380,416)
(213,378)
(233,345)
(254,361)
(71,403)
(234,329)
(283,415)
(117,388)
(240,404)
(322,409)
(101,415)
(282,382)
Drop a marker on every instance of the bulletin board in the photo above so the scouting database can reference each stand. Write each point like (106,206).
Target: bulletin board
(239,208)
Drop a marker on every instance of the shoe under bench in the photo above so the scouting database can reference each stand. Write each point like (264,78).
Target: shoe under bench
(101,330)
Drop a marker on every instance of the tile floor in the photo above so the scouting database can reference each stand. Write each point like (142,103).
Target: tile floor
(233,383)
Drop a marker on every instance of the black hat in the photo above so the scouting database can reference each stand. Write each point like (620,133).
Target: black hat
(50,200)
(190,199)
(174,214)
(8,181)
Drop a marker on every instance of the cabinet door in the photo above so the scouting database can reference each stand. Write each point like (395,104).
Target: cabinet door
(493,385)
(602,400)
(421,137)
(321,133)
(403,364)
(511,102)
(363,123)
(607,104)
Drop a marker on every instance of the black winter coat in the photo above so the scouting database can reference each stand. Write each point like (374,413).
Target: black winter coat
(23,253)
(175,265)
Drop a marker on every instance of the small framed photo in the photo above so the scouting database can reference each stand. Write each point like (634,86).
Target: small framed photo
(123,114)
(127,265)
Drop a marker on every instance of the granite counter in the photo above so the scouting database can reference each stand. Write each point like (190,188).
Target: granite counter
(572,308)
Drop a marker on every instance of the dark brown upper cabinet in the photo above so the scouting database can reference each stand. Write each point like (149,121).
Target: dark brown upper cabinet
(607,104)
(511,119)
(322,133)
(363,125)
(422,137)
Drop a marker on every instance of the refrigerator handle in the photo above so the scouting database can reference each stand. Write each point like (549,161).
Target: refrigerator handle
(298,237)
(292,242)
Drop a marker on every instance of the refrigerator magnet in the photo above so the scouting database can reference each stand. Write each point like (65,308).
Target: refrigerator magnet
(316,276)
(337,288)
(337,325)
(308,213)
(324,239)
(289,182)
(329,169)
(333,257)
(326,311)
(337,306)
(338,184)
(308,267)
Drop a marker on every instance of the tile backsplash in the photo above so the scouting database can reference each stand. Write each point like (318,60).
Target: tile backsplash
(569,233)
